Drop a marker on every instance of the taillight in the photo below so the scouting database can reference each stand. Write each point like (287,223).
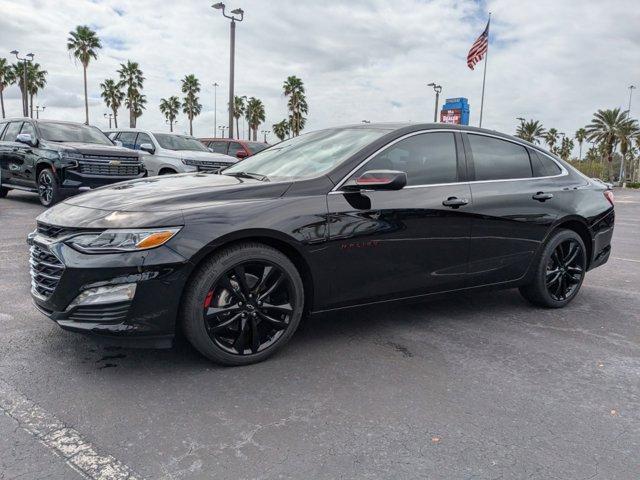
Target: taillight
(609,196)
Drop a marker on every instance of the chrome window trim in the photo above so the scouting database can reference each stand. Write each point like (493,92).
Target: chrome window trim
(563,171)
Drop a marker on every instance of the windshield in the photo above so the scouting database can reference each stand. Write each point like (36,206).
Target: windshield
(179,142)
(255,147)
(309,155)
(69,132)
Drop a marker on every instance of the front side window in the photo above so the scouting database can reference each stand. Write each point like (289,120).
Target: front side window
(28,128)
(128,139)
(234,148)
(308,155)
(179,142)
(143,138)
(71,132)
(495,159)
(12,131)
(428,158)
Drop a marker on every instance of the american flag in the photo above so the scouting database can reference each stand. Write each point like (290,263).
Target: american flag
(479,48)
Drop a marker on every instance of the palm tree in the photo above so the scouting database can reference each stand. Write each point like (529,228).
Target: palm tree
(113,96)
(604,129)
(580,136)
(281,129)
(238,111)
(6,79)
(566,147)
(132,79)
(531,131)
(190,105)
(36,80)
(255,116)
(83,43)
(297,104)
(626,133)
(170,107)
(551,137)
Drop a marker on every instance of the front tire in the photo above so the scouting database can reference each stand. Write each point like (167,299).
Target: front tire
(243,304)
(560,271)
(48,189)
(3,192)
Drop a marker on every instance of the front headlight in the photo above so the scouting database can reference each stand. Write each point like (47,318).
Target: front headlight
(116,240)
(70,158)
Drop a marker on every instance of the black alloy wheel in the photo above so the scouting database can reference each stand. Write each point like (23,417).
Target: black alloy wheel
(565,269)
(242,304)
(48,188)
(559,272)
(249,307)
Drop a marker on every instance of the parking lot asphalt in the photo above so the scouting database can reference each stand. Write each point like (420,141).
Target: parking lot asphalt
(475,386)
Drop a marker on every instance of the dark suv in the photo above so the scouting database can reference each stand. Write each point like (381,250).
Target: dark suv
(55,159)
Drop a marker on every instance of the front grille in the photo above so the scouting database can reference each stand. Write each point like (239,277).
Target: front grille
(46,271)
(207,165)
(109,166)
(112,313)
(54,231)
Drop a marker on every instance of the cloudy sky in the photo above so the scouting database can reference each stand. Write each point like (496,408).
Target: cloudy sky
(553,60)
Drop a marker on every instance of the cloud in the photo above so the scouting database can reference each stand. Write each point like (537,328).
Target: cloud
(549,60)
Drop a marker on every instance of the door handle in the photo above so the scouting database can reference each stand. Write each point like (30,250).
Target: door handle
(542,197)
(455,202)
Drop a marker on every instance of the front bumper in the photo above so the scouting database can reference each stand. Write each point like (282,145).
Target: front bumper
(159,275)
(73,181)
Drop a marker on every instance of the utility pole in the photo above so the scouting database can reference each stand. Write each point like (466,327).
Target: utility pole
(232,56)
(437,89)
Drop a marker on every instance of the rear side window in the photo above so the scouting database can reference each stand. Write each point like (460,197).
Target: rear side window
(128,139)
(496,159)
(12,131)
(218,147)
(543,166)
(234,148)
(428,158)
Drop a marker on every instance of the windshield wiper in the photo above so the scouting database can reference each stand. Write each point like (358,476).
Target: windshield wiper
(255,176)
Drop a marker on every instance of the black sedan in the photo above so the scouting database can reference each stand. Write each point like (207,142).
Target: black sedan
(329,220)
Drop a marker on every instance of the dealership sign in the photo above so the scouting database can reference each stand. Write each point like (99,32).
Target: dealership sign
(456,111)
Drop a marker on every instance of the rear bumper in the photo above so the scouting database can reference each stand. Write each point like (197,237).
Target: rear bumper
(602,234)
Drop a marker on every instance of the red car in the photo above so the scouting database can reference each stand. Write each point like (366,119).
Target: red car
(235,148)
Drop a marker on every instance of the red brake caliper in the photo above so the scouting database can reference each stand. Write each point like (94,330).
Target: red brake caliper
(207,300)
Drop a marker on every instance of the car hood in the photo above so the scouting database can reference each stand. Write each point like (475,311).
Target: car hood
(207,156)
(93,149)
(171,193)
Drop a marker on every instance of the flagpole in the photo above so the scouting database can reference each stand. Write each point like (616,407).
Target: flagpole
(484,74)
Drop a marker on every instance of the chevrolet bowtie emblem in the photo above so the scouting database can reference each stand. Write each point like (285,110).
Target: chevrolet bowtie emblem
(114,162)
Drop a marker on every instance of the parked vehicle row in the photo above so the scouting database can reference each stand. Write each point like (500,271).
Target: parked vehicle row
(328,220)
(233,147)
(55,159)
(168,153)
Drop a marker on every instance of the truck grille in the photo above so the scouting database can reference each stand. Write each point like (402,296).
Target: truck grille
(46,271)
(110,166)
(208,166)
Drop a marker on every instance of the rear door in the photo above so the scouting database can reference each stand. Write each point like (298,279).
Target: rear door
(391,244)
(10,160)
(513,206)
(27,157)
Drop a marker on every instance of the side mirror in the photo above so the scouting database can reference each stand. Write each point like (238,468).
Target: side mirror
(147,147)
(26,139)
(378,180)
(241,154)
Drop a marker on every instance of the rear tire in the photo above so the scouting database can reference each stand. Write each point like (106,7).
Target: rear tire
(3,192)
(560,271)
(243,304)
(48,188)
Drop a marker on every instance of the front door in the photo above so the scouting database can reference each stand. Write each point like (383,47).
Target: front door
(409,242)
(10,160)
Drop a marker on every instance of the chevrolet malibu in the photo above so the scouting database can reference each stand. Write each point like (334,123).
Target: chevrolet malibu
(330,220)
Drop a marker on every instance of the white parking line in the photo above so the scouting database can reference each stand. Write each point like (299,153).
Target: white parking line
(63,441)
(626,259)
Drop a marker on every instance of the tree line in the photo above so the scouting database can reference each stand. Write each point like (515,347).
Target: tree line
(126,89)
(608,131)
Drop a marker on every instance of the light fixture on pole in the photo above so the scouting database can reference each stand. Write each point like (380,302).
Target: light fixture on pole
(366,121)
(437,89)
(109,116)
(222,128)
(215,108)
(237,15)
(38,110)
(264,132)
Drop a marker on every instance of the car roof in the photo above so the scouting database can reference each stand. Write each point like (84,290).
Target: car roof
(35,120)
(142,130)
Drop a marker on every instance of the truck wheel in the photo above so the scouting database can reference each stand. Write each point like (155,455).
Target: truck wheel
(3,192)
(48,188)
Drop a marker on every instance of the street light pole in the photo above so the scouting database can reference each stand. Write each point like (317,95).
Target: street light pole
(215,108)
(109,116)
(437,89)
(38,110)
(232,56)
(265,134)
(631,88)
(25,96)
